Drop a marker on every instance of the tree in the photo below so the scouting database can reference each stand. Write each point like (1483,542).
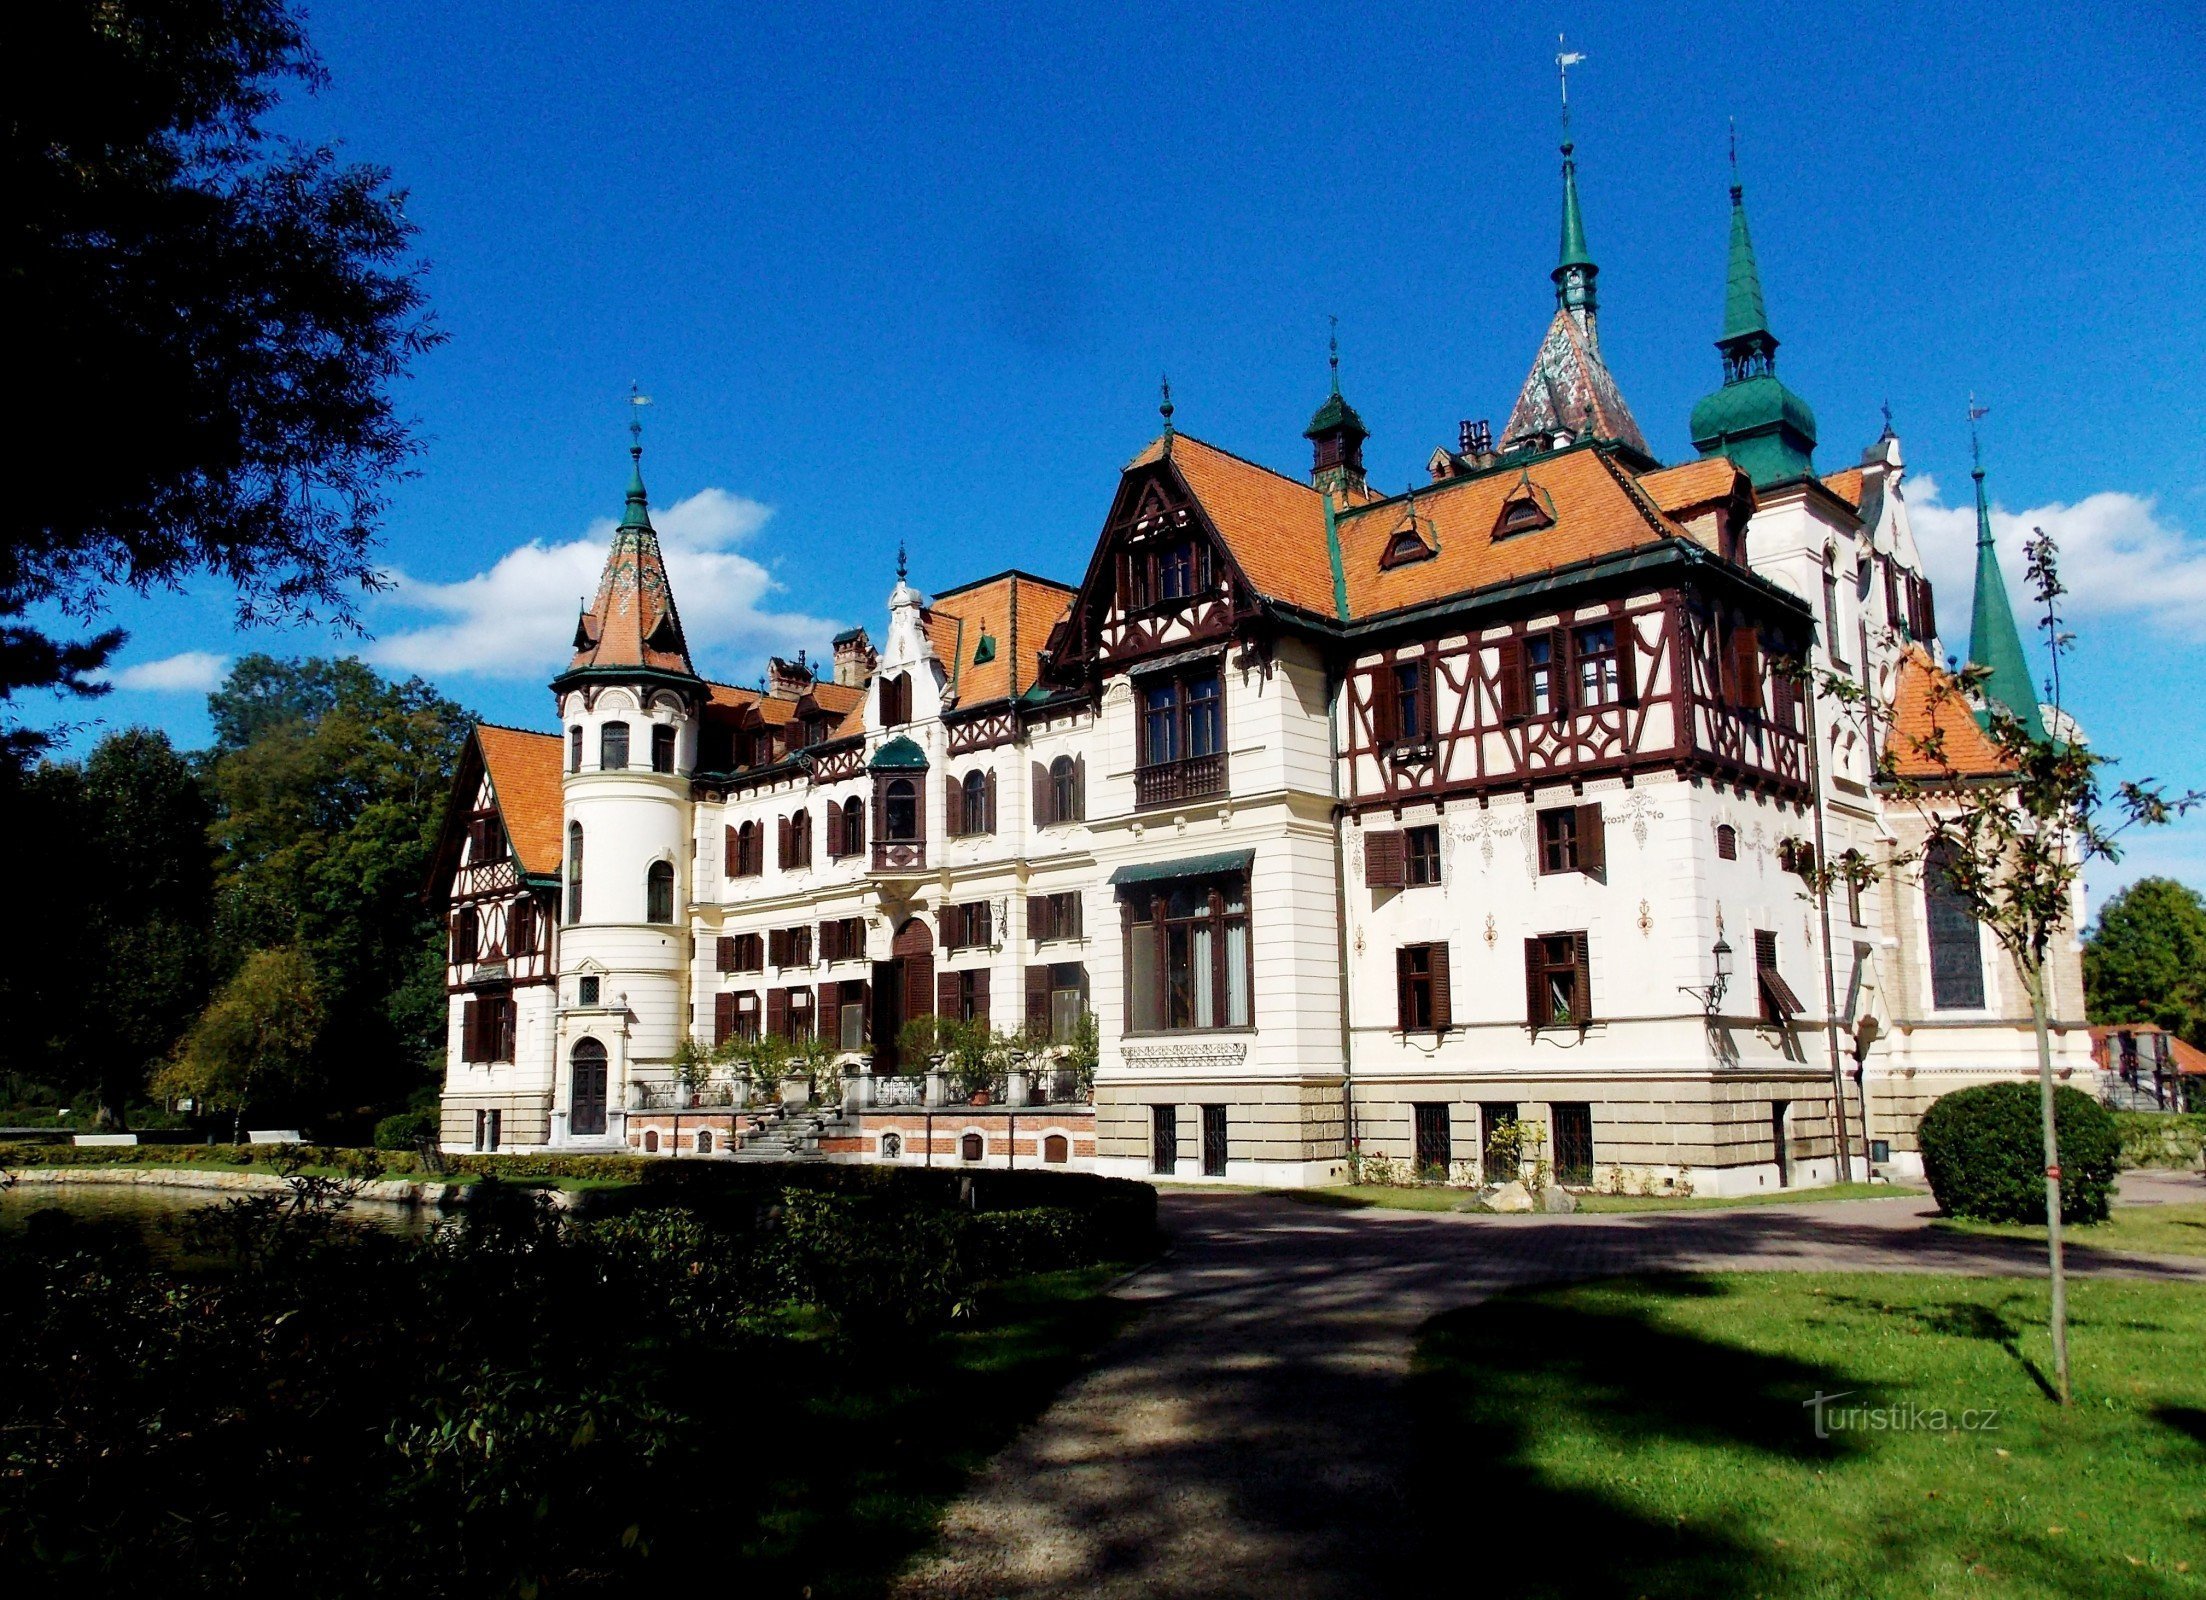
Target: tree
(255,1040)
(104,992)
(2146,959)
(330,784)
(216,314)
(2013,848)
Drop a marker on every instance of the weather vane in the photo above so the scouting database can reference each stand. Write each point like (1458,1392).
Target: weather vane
(1164,408)
(1976,449)
(1565,59)
(1334,357)
(636,402)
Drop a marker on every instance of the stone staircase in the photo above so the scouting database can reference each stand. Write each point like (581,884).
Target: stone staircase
(2116,1093)
(783,1134)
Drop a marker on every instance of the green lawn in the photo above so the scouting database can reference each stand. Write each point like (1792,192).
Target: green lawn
(1437,1197)
(1650,1437)
(2144,1230)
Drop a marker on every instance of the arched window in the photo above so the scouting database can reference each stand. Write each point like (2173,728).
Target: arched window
(658,892)
(704,1141)
(612,747)
(650,1141)
(854,826)
(750,855)
(971,1147)
(892,1146)
(1055,1150)
(1956,944)
(1727,842)
(586,1105)
(896,700)
(1064,791)
(574,748)
(574,872)
(900,812)
(979,816)
(466,935)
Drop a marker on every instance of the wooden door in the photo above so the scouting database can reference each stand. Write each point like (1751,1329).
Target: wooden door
(586,1109)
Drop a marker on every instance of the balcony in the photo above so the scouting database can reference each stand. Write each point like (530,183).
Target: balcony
(899,855)
(1171,783)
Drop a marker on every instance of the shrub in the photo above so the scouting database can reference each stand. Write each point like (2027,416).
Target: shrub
(1984,1153)
(406,1130)
(2158,1139)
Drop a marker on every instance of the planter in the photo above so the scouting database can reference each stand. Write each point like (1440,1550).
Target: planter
(979,1099)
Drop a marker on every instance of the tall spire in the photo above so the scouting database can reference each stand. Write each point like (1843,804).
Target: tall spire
(1336,436)
(1754,419)
(1574,269)
(632,624)
(1994,640)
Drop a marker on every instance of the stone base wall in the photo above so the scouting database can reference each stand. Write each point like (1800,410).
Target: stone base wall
(1267,1124)
(524,1120)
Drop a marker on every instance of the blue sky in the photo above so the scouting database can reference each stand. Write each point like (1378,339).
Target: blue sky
(904,273)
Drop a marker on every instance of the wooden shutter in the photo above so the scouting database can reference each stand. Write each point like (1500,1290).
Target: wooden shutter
(723,1018)
(1443,997)
(723,954)
(731,863)
(827,1020)
(988,823)
(880,809)
(509,1016)
(1382,859)
(953,805)
(781,842)
(777,1011)
(1746,668)
(1627,662)
(1386,706)
(945,994)
(1401,986)
(1535,986)
(977,925)
(1892,614)
(470,1031)
(1511,673)
(1042,818)
(1068,915)
(1037,999)
(1930,608)
(1582,953)
(980,995)
(1593,843)
(1079,790)
(1562,668)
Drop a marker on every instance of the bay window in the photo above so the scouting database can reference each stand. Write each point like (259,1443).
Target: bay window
(1187,956)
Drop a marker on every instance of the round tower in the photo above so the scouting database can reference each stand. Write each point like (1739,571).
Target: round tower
(629,703)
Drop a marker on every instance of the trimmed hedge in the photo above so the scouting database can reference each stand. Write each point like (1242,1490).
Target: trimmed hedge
(406,1130)
(2161,1139)
(1984,1153)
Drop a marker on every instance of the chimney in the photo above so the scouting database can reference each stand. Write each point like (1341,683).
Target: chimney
(854,658)
(787,680)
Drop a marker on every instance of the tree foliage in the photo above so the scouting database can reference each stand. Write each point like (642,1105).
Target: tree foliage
(2145,961)
(219,314)
(255,1042)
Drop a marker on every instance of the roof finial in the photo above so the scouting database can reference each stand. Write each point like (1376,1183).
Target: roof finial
(1887,409)
(637,400)
(1565,59)
(638,513)
(902,563)
(1334,352)
(1733,124)
(1976,447)
(1164,409)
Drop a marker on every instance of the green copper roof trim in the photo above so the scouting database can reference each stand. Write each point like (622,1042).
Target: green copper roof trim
(1743,311)
(678,680)
(985,650)
(638,514)
(1994,640)
(900,754)
(1332,554)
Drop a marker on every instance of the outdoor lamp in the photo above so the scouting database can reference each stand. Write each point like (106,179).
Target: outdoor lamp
(1723,962)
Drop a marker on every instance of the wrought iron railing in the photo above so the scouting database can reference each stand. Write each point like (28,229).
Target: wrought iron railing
(1168,783)
(899,1089)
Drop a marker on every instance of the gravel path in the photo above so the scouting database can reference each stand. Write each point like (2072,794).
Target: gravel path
(1239,1439)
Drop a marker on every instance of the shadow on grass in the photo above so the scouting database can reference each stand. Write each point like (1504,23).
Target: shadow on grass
(828,1467)
(2186,1420)
(1966,1319)
(1495,1382)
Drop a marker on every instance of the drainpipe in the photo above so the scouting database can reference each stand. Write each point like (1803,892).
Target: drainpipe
(1334,688)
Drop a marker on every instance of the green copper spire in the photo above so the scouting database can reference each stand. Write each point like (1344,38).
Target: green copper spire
(638,514)
(1754,419)
(1574,269)
(1994,640)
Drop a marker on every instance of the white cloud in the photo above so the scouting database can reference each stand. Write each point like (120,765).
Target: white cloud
(2116,556)
(192,671)
(517,619)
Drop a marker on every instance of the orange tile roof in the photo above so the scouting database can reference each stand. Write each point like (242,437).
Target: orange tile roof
(524,773)
(633,622)
(1846,485)
(1928,700)
(1597,510)
(1709,481)
(1273,525)
(2188,1057)
(986,608)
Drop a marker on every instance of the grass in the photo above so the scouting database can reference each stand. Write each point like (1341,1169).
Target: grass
(2156,1230)
(832,1473)
(1649,1437)
(1436,1197)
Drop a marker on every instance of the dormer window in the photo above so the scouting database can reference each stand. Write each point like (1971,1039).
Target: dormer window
(1407,545)
(1528,507)
(1165,573)
(896,700)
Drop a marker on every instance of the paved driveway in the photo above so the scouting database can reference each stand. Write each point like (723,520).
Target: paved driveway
(1240,1439)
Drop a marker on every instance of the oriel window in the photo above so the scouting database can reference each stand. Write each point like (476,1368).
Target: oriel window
(1188,956)
(612,747)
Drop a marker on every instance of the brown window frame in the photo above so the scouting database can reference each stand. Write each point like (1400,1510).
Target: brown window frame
(896,700)
(1145,912)
(1421,856)
(1548,956)
(1423,993)
(606,740)
(663,736)
(968,925)
(1054,916)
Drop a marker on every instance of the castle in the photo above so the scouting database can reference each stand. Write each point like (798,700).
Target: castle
(1312,825)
